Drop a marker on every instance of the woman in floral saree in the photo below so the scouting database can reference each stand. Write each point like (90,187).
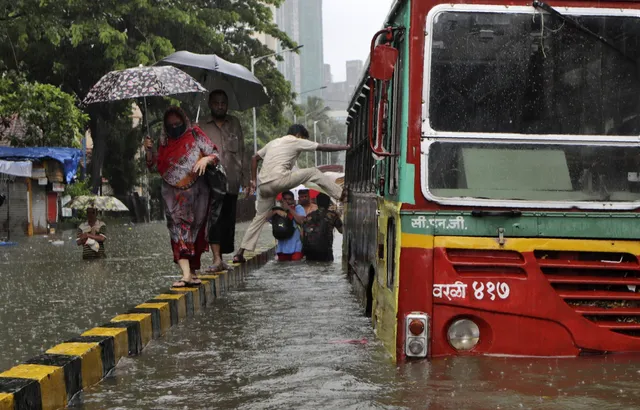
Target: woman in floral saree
(181,160)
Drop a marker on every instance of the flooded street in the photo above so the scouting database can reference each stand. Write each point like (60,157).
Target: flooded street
(280,342)
(50,294)
(291,337)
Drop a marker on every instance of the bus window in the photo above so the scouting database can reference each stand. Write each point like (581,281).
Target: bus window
(534,172)
(530,73)
(395,123)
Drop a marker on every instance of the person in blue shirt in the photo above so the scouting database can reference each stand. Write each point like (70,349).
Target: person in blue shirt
(290,249)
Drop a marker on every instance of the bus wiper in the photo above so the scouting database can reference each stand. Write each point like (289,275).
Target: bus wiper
(511,213)
(544,6)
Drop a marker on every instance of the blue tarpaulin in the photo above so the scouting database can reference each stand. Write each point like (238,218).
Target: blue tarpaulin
(68,157)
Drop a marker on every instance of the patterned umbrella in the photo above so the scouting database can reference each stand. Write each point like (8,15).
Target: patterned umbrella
(137,82)
(101,203)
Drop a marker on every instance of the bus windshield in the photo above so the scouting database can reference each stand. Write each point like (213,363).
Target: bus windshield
(534,172)
(533,73)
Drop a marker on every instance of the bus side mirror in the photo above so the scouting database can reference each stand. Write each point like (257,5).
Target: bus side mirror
(383,62)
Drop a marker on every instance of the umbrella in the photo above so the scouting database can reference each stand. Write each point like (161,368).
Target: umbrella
(101,203)
(142,82)
(242,87)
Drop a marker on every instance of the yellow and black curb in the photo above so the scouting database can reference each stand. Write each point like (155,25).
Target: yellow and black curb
(50,380)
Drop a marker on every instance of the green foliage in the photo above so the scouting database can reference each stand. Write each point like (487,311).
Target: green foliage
(72,43)
(78,188)
(121,168)
(49,115)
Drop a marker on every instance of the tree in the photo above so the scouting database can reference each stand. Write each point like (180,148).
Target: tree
(72,43)
(328,129)
(49,116)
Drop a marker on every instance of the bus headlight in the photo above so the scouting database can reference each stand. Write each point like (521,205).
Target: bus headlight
(416,334)
(463,334)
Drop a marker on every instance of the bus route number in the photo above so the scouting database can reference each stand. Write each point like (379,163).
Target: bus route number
(490,290)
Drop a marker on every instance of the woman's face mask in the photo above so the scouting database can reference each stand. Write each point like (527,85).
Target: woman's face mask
(176,130)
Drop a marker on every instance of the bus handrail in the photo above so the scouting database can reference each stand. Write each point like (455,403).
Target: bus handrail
(372,81)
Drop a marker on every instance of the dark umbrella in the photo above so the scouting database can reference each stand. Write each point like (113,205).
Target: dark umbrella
(142,82)
(242,87)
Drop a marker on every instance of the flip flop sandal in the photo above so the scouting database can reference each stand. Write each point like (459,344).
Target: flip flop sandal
(185,284)
(239,259)
(216,268)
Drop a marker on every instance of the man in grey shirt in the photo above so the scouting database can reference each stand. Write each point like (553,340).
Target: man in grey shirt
(225,132)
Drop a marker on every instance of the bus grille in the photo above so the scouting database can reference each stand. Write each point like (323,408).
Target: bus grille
(604,287)
(486,263)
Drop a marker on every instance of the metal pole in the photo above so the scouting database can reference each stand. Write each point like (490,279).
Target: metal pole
(315,140)
(255,126)
(254,60)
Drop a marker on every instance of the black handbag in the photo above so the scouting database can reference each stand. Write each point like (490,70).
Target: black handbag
(217,180)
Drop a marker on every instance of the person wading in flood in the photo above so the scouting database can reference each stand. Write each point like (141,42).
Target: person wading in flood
(91,236)
(304,199)
(276,176)
(318,227)
(289,247)
(225,132)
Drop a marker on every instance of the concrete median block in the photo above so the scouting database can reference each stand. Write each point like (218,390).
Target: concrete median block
(216,286)
(207,295)
(120,340)
(90,354)
(193,294)
(160,316)
(71,365)
(6,401)
(35,386)
(144,327)
(177,308)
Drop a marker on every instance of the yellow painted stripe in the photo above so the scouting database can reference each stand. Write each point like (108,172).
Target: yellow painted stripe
(165,314)
(531,244)
(146,329)
(412,240)
(182,304)
(196,296)
(519,244)
(120,339)
(51,379)
(6,401)
(91,358)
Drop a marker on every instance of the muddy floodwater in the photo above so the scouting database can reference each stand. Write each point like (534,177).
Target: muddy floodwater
(291,337)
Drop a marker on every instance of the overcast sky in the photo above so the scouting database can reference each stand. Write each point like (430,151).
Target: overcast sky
(348,26)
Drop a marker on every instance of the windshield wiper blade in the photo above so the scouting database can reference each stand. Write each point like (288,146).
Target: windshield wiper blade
(511,213)
(544,6)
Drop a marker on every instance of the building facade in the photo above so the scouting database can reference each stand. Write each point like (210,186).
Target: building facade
(302,21)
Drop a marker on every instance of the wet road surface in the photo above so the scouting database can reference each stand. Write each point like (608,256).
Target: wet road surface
(277,342)
(49,294)
(274,343)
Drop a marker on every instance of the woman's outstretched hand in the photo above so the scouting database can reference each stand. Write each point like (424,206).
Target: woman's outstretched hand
(201,165)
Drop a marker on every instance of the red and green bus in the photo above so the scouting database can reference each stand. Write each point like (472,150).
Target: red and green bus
(494,179)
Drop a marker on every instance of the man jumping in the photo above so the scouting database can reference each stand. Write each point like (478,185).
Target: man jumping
(276,175)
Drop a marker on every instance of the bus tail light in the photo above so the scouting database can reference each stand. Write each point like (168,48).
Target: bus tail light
(417,335)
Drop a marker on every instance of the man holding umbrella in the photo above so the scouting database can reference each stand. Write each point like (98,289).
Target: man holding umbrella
(225,131)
